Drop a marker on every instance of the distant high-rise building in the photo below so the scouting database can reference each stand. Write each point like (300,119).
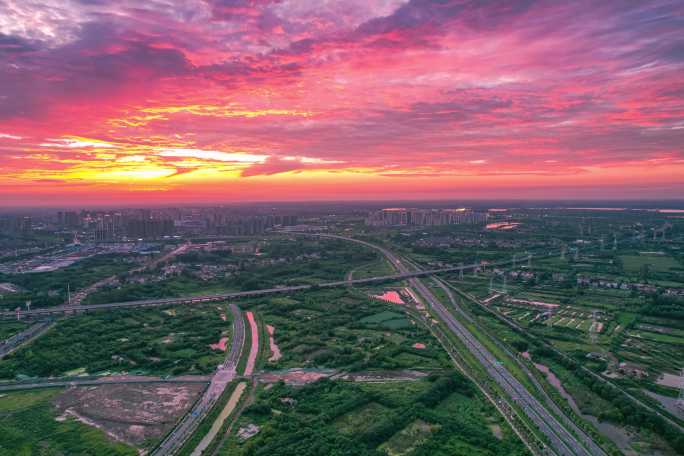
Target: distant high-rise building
(149,228)
(71,220)
(26,225)
(424,217)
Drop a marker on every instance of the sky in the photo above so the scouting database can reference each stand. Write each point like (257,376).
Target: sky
(209,101)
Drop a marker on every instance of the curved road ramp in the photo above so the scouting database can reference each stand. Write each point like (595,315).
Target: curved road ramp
(225,373)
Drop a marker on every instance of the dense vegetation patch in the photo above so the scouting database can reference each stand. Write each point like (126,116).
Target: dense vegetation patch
(443,410)
(161,341)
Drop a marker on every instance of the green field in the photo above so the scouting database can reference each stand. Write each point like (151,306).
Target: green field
(634,263)
(28,426)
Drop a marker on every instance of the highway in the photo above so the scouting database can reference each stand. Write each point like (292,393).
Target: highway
(52,383)
(589,372)
(70,310)
(562,442)
(567,422)
(224,374)
(7,346)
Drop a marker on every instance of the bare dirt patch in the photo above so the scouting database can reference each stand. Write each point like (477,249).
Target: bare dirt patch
(220,345)
(275,350)
(254,351)
(390,296)
(381,376)
(496,430)
(295,376)
(134,414)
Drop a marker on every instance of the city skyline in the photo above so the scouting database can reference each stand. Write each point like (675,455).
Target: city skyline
(210,101)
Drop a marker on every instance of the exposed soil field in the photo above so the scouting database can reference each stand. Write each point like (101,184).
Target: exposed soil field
(254,351)
(134,414)
(295,376)
(275,350)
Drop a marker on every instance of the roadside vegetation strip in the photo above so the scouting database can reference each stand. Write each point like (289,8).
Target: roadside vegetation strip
(220,419)
(520,425)
(468,363)
(486,339)
(203,427)
(226,430)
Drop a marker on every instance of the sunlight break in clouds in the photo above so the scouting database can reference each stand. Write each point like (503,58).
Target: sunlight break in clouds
(329,100)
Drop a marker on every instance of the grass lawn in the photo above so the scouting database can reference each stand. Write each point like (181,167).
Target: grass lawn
(633,263)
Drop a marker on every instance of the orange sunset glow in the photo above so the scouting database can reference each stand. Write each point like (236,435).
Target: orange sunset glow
(250,100)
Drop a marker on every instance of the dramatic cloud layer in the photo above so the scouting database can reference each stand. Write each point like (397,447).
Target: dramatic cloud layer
(198,100)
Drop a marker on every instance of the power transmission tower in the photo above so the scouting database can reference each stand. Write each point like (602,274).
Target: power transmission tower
(680,400)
